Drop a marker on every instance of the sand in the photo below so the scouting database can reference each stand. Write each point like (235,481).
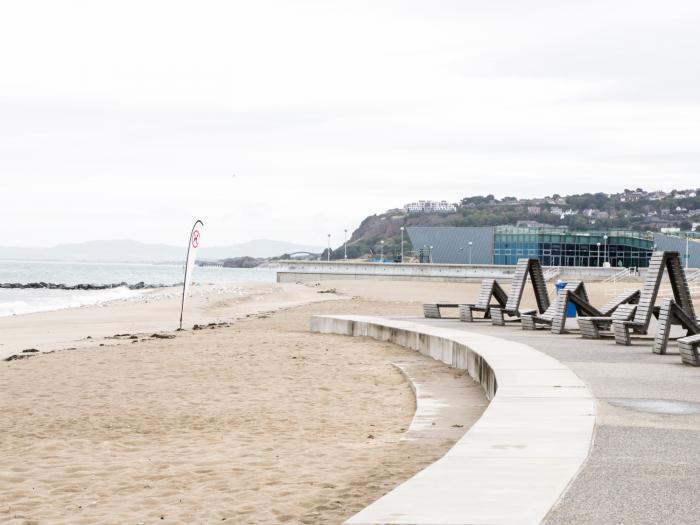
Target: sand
(255,422)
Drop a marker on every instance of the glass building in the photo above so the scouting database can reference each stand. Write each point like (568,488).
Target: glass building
(559,247)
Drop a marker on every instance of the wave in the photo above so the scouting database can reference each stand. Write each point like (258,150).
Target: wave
(25,301)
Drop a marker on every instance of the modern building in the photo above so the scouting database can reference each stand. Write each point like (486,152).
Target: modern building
(452,245)
(552,246)
(560,247)
(689,248)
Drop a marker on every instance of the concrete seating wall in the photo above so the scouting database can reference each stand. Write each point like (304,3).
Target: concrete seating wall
(517,460)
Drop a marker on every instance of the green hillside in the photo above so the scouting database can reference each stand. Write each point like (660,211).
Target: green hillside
(631,209)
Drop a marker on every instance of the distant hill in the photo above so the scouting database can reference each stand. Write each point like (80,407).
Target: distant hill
(630,209)
(134,251)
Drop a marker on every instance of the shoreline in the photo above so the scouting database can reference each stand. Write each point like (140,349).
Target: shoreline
(150,312)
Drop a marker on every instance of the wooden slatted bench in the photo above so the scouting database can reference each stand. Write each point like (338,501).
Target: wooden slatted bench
(688,347)
(591,326)
(639,324)
(524,268)
(555,315)
(433,310)
(489,289)
(672,314)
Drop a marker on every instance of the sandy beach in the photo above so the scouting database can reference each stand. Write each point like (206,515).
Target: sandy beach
(254,421)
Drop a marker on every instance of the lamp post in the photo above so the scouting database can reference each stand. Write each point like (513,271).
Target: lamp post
(605,238)
(687,253)
(598,245)
(345,244)
(430,255)
(329,248)
(382,245)
(470,251)
(402,229)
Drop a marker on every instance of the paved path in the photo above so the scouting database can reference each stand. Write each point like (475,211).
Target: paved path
(644,467)
(516,461)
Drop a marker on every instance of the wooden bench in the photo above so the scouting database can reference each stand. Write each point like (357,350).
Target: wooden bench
(433,310)
(670,262)
(524,268)
(672,314)
(555,315)
(688,347)
(490,289)
(591,326)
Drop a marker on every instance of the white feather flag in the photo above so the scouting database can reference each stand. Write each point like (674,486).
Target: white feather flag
(192,247)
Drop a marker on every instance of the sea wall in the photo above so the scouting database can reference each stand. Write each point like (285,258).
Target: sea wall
(318,271)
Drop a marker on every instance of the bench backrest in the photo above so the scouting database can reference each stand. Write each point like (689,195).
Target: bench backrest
(660,261)
(627,297)
(486,292)
(624,312)
(523,269)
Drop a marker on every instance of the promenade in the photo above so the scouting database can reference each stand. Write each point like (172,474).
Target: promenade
(643,464)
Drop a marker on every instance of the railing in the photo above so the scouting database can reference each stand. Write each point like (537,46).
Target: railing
(551,272)
(622,274)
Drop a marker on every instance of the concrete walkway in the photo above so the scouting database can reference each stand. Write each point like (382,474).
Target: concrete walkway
(516,461)
(644,467)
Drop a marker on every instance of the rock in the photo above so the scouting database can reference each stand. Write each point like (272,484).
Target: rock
(85,286)
(163,336)
(30,351)
(17,357)
(242,262)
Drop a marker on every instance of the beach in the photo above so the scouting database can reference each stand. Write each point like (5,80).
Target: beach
(249,418)
(255,420)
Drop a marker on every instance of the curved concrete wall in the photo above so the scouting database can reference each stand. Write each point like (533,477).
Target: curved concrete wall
(516,461)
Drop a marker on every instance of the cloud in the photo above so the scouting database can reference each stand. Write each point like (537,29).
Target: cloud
(126,120)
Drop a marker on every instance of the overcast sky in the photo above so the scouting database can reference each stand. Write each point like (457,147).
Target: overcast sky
(130,119)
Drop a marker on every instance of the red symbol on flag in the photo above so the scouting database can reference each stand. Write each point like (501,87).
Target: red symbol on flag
(195,238)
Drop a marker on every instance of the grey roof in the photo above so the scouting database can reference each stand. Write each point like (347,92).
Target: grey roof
(678,244)
(451,244)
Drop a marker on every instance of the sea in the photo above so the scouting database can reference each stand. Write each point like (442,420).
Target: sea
(17,301)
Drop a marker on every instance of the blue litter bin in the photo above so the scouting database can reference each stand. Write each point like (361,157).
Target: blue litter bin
(570,308)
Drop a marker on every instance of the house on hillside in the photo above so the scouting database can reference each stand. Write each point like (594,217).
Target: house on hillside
(430,207)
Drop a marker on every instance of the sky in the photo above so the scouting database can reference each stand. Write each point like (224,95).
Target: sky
(291,120)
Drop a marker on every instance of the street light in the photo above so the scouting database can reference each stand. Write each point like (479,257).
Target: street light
(687,253)
(605,238)
(345,243)
(430,255)
(329,248)
(470,251)
(598,245)
(402,228)
(382,243)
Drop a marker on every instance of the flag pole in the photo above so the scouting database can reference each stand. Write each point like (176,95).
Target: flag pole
(187,260)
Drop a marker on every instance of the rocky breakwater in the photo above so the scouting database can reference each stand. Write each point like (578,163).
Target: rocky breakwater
(53,286)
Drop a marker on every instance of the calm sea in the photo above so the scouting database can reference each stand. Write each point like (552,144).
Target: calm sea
(20,301)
